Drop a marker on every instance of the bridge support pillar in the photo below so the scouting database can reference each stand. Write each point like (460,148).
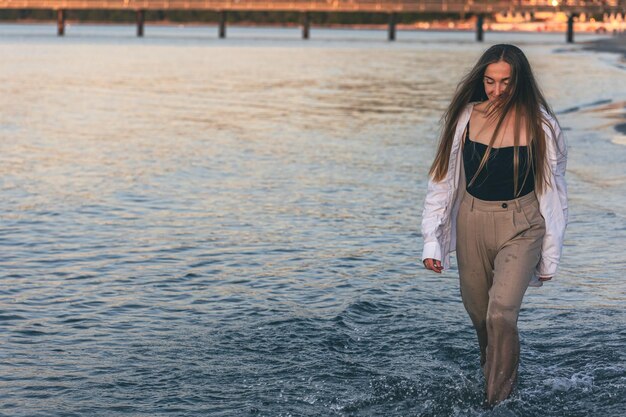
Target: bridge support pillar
(391,29)
(60,22)
(140,18)
(222,30)
(570,28)
(480,20)
(305,22)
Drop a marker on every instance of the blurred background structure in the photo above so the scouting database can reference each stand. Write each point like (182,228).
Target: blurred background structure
(594,15)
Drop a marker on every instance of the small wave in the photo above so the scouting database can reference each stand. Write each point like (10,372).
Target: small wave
(569,110)
(7,317)
(365,307)
(580,107)
(31,333)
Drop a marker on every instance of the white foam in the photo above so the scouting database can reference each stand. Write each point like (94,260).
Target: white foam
(576,381)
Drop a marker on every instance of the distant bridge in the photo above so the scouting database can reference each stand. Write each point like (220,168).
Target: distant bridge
(388,6)
(391,7)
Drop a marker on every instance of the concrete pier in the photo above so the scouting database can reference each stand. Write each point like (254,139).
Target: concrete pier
(222,30)
(140,17)
(480,19)
(570,28)
(305,22)
(60,22)
(391,30)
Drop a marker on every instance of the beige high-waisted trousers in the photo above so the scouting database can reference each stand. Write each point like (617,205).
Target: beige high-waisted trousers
(498,248)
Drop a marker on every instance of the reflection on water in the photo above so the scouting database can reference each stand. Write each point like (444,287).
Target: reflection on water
(195,227)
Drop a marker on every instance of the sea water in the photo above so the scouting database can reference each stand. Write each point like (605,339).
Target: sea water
(192,226)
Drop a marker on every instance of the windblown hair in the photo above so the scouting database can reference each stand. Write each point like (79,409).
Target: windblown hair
(522,96)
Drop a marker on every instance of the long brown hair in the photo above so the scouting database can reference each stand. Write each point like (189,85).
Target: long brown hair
(523,96)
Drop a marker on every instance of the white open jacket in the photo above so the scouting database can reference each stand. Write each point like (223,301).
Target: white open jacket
(444,197)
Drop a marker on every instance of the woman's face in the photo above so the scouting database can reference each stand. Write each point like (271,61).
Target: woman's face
(496,79)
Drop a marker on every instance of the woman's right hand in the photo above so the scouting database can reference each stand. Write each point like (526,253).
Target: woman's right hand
(433,265)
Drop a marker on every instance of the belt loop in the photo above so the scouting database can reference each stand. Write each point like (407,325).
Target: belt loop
(472,205)
(518,205)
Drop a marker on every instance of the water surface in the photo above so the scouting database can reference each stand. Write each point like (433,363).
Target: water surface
(195,226)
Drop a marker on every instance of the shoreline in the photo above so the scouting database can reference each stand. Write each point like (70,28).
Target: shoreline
(615,44)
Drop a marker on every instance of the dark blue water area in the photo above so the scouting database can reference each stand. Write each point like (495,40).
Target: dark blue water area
(309,308)
(356,343)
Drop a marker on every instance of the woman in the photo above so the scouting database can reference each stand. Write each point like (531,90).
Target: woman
(497,195)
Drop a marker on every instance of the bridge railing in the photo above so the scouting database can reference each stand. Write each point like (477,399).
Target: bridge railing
(479,6)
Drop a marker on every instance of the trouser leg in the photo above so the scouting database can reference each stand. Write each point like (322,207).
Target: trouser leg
(475,296)
(475,272)
(513,268)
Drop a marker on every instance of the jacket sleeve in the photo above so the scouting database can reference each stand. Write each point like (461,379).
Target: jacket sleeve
(559,174)
(551,255)
(432,218)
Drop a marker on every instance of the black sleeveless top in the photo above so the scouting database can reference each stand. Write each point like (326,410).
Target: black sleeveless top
(495,180)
